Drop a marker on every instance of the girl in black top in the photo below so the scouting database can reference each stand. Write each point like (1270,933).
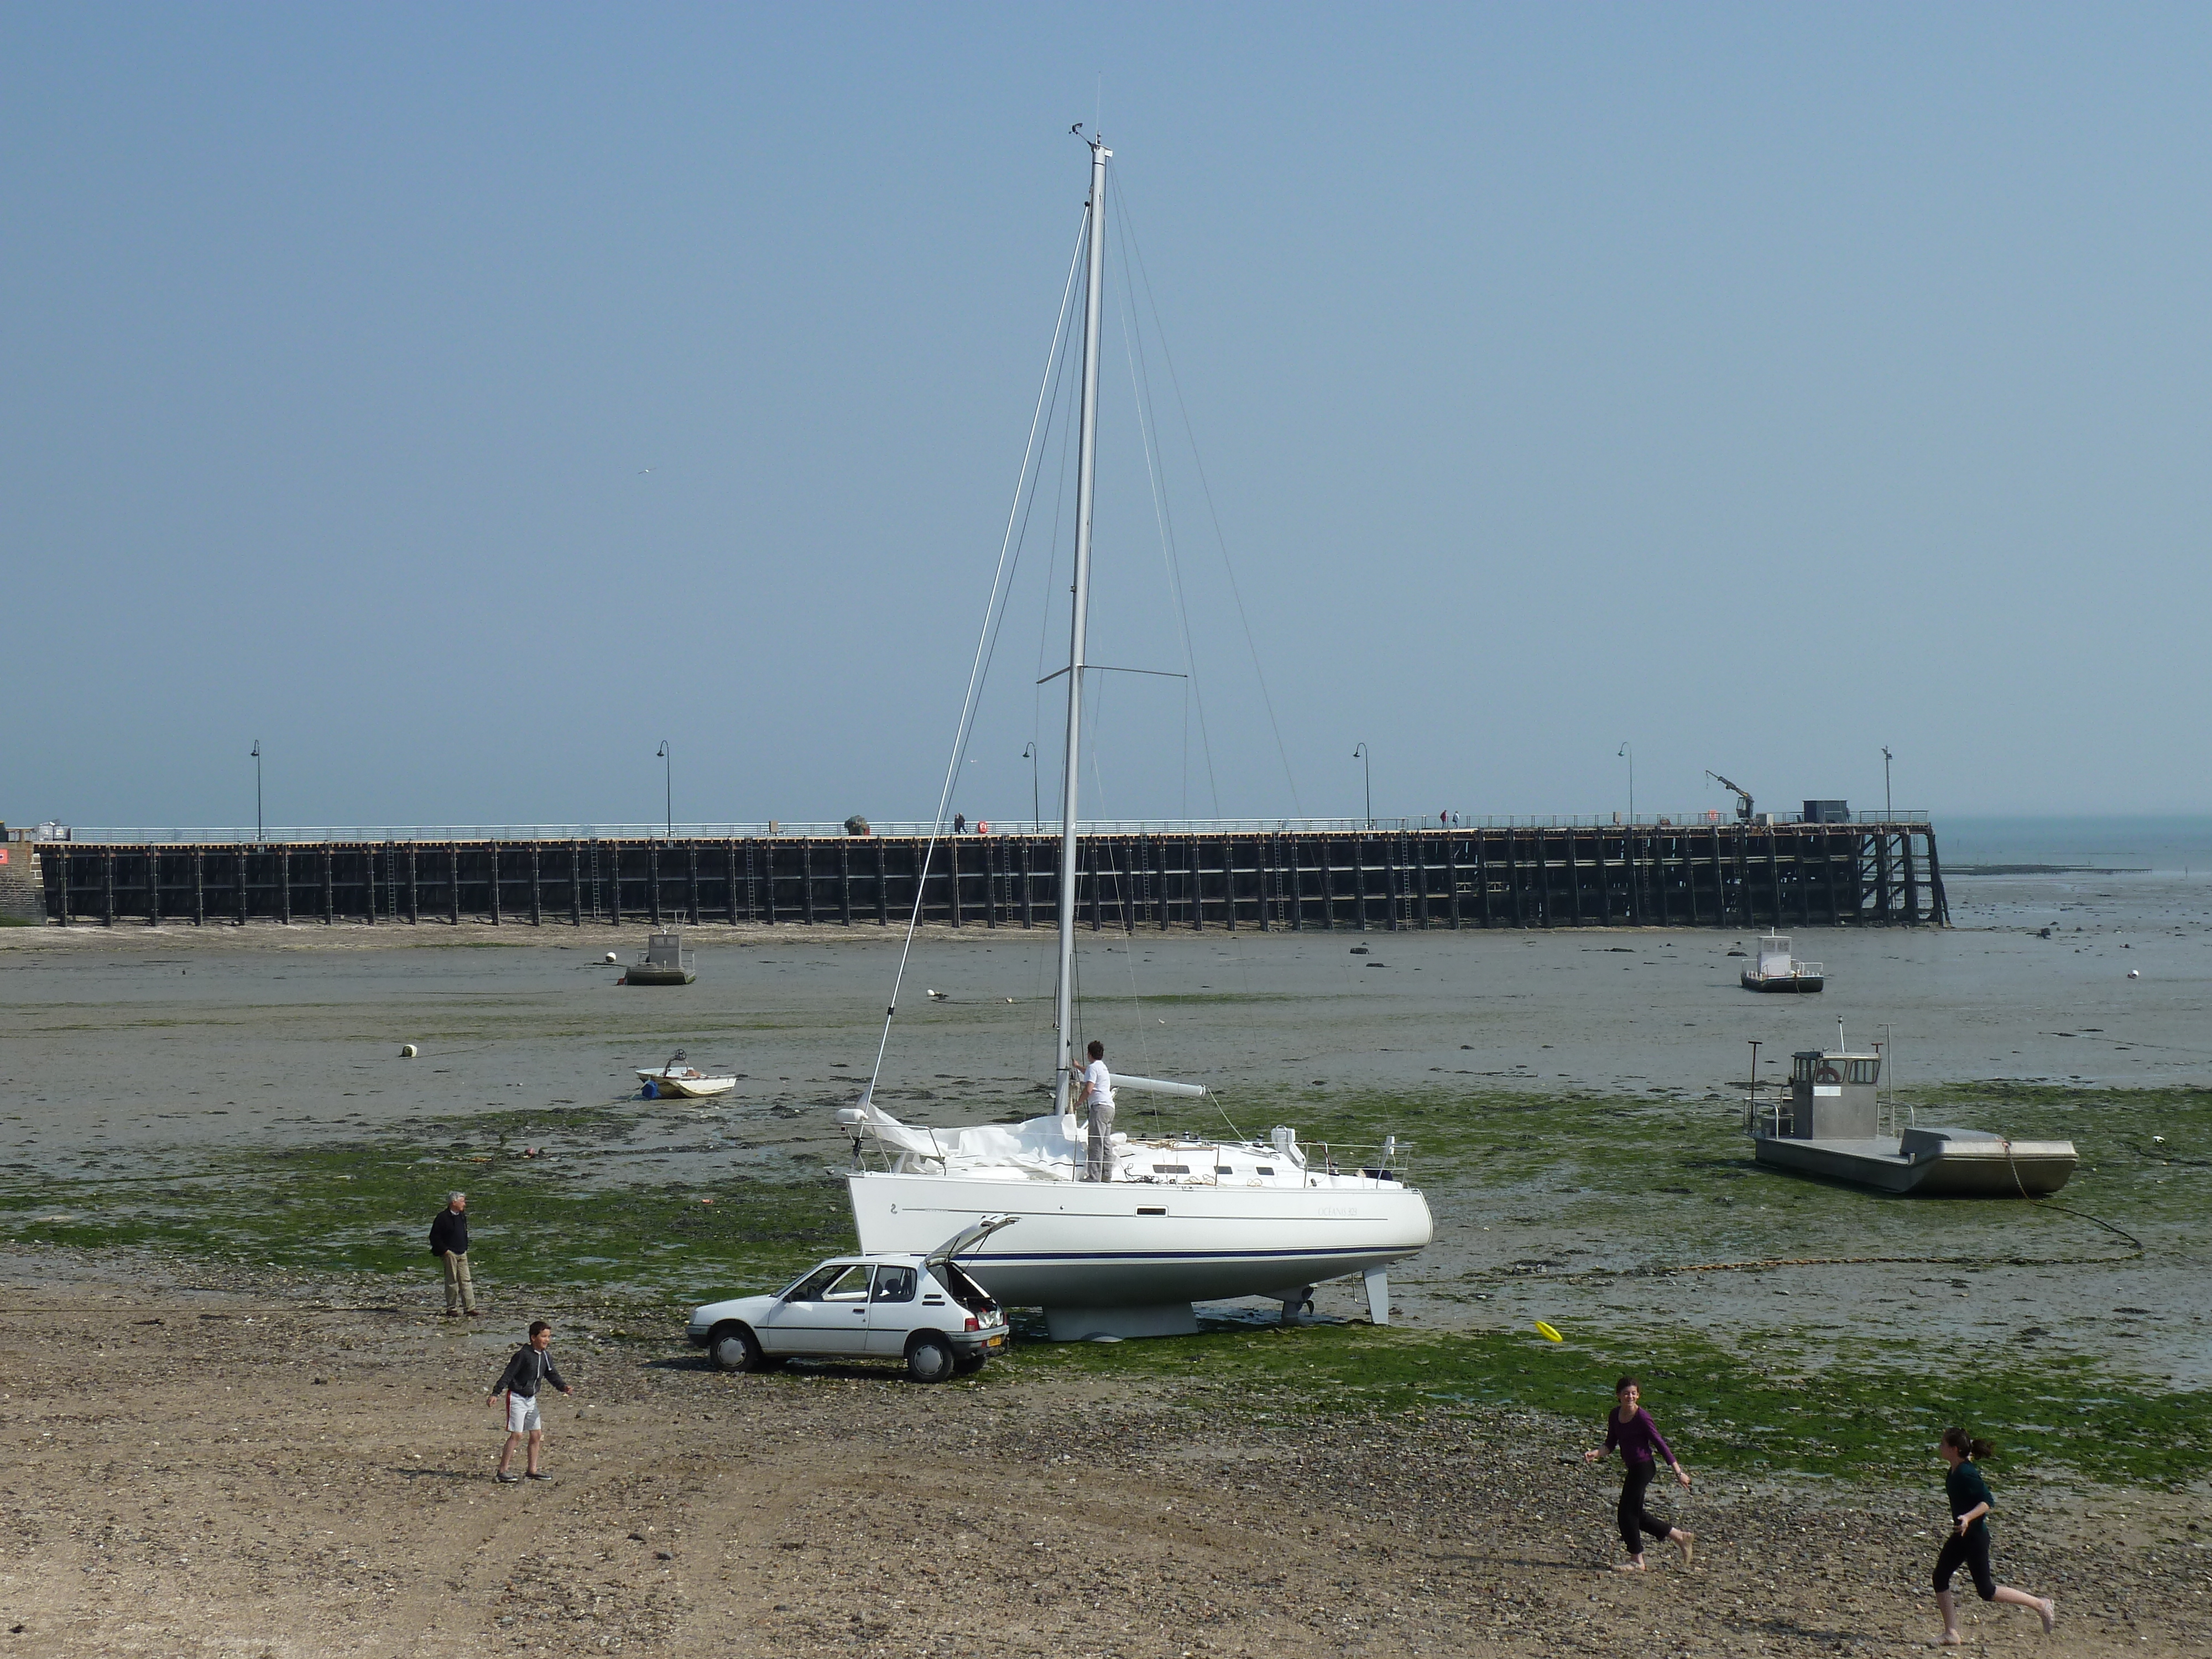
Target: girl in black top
(1968,1545)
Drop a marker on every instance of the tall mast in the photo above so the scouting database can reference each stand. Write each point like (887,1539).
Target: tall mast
(1085,475)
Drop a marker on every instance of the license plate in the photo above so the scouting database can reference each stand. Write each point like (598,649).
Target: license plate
(996,1342)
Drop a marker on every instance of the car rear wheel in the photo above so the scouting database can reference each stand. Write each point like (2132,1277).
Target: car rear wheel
(734,1348)
(929,1360)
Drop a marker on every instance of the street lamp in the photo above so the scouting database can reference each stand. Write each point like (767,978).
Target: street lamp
(668,785)
(1886,812)
(1629,750)
(259,834)
(1367,766)
(1030,753)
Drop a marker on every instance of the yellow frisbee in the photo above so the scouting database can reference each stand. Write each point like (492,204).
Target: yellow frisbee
(1548,1333)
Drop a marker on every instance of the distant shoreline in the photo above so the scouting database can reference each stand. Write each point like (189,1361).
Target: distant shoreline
(2049,870)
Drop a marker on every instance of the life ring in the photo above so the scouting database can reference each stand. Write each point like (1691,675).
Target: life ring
(1828,1074)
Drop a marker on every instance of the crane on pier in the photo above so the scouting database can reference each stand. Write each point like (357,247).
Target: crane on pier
(1742,796)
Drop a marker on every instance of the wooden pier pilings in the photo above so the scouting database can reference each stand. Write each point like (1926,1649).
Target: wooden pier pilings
(1729,876)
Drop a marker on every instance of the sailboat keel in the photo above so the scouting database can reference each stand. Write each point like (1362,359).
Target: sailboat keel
(1119,1324)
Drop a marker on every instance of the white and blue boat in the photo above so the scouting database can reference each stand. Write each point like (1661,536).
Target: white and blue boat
(1178,1218)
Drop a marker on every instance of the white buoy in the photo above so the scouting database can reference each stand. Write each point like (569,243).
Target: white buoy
(2135,973)
(611,956)
(406,1051)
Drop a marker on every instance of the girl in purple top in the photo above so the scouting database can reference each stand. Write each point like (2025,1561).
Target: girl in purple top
(1629,1427)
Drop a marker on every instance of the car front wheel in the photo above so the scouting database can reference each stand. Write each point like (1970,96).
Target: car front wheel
(734,1348)
(929,1360)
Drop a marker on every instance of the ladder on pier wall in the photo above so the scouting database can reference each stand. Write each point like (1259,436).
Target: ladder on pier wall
(1721,876)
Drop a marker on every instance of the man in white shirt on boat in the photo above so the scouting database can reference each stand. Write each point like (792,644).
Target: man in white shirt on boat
(1097,1085)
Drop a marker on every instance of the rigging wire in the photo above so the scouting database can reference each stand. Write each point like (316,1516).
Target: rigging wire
(1155,467)
(999,577)
(1040,958)
(1147,430)
(1136,259)
(1052,411)
(1051,560)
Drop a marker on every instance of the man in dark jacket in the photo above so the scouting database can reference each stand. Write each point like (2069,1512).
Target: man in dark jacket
(531,1367)
(449,1241)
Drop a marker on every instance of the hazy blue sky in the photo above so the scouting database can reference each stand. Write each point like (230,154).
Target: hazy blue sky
(1758,385)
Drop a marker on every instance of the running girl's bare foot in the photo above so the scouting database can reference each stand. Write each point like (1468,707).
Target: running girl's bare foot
(1634,1563)
(1950,1638)
(1687,1542)
(2047,1610)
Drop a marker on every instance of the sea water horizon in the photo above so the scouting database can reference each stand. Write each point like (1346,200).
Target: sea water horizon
(2161,843)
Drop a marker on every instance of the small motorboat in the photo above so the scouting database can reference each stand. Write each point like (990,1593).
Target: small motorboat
(679,1079)
(1831,1125)
(1777,970)
(665,962)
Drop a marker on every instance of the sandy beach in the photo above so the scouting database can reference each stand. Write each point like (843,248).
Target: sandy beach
(279,1481)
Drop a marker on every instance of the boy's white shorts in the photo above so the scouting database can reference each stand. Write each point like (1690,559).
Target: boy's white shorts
(522,1414)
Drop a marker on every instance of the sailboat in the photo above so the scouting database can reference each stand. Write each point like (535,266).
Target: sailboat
(1178,1218)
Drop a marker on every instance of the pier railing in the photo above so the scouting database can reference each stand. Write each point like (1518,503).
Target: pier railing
(905,828)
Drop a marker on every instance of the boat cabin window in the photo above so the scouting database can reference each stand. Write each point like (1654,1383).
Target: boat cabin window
(1800,1069)
(1171,1169)
(895,1284)
(1267,1169)
(1863,1071)
(1224,1168)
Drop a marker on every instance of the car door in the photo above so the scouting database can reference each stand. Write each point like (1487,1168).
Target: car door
(892,1313)
(825,1313)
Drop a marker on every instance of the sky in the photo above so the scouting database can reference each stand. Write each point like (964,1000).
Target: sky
(462,402)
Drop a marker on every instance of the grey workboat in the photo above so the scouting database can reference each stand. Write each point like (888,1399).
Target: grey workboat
(665,962)
(1832,1125)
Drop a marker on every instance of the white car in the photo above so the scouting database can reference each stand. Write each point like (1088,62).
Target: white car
(921,1308)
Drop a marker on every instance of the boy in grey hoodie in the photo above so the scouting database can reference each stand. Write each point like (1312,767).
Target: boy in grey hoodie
(532,1366)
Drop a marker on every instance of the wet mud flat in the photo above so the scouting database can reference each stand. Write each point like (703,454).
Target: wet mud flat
(239,1096)
(299,1476)
(170,1035)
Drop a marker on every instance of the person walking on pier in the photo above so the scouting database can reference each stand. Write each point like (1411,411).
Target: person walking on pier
(1097,1085)
(449,1242)
(531,1369)
(1629,1427)
(1968,1545)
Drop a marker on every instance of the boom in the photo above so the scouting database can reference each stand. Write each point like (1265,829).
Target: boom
(1742,796)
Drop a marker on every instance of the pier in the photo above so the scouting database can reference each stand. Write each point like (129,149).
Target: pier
(1295,876)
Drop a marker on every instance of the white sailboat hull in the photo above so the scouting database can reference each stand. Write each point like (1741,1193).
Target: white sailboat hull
(1092,1244)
